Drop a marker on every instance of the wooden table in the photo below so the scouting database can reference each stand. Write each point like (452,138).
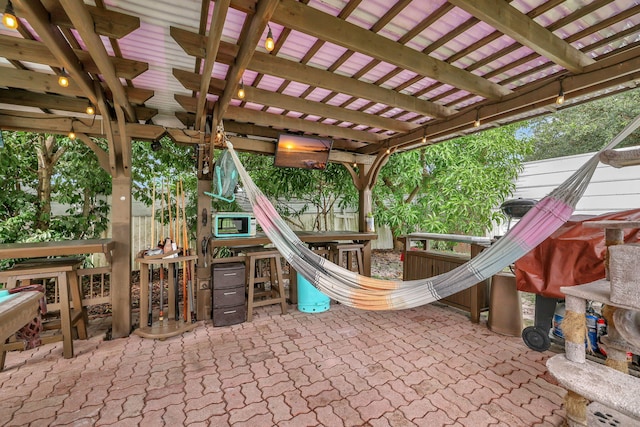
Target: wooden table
(61,248)
(307,237)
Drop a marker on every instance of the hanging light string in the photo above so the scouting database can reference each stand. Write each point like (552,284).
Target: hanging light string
(476,123)
(269,43)
(9,18)
(72,134)
(560,98)
(63,79)
(241,92)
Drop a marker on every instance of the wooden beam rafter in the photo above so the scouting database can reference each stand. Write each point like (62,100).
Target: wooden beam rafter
(220,9)
(84,24)
(38,18)
(306,19)
(284,122)
(34,51)
(294,71)
(108,23)
(292,103)
(264,11)
(510,21)
(51,101)
(609,72)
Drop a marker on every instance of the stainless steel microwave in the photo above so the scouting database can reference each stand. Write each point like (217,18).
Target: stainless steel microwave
(234,224)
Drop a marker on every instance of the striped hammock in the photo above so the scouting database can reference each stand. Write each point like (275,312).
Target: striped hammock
(354,290)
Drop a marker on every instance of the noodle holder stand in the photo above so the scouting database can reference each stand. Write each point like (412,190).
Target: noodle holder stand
(168,327)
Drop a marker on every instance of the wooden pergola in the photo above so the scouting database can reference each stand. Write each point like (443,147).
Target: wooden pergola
(376,77)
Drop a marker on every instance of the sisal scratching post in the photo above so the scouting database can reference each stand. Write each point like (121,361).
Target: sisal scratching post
(576,407)
(574,329)
(612,237)
(616,359)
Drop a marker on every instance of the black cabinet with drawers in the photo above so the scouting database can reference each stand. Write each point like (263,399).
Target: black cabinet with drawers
(229,301)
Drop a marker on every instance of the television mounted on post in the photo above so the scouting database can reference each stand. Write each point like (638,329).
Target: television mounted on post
(305,152)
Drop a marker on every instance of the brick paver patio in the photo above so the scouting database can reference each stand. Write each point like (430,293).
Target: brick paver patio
(428,366)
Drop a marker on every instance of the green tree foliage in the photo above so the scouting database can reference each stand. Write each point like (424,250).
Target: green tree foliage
(165,167)
(36,170)
(319,190)
(584,128)
(450,187)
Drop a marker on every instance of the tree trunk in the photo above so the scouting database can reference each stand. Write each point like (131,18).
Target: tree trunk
(48,155)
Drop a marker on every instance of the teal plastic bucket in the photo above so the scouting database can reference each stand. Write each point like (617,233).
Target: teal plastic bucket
(311,300)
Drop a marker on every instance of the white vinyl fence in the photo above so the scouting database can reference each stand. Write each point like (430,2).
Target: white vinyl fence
(610,190)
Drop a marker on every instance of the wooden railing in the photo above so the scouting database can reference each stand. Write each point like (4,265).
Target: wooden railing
(421,262)
(95,288)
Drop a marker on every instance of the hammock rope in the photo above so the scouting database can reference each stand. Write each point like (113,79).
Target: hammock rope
(354,290)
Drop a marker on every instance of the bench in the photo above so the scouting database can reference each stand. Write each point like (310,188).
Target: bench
(64,271)
(15,312)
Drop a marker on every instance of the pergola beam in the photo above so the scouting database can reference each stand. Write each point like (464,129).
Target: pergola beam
(300,17)
(284,122)
(292,103)
(83,22)
(34,51)
(510,21)
(295,71)
(52,101)
(213,42)
(38,18)
(608,72)
(263,14)
(108,23)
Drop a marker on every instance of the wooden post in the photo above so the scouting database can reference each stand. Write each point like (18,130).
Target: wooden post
(121,261)
(364,206)
(203,270)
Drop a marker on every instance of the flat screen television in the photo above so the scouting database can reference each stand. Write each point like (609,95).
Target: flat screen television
(295,151)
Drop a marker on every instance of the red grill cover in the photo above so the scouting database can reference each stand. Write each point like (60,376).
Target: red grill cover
(573,255)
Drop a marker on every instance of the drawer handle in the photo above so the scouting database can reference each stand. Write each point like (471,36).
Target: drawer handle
(230,293)
(229,312)
(230,274)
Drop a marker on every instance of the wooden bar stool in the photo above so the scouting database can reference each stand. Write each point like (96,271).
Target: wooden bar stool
(265,284)
(345,254)
(64,271)
(322,248)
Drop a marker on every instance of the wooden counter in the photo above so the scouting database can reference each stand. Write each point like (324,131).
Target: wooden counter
(61,248)
(307,237)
